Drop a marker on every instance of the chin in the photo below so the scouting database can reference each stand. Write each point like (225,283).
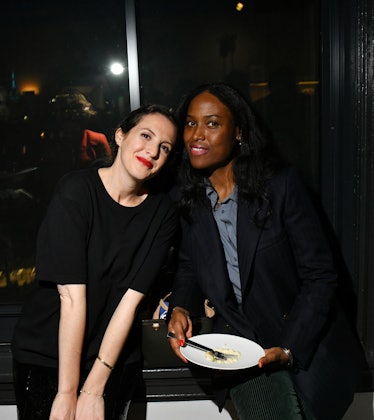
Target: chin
(197,163)
(200,166)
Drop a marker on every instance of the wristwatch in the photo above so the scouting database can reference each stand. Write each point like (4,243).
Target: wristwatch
(289,354)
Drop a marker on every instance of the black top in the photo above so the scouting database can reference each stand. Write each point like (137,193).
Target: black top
(88,238)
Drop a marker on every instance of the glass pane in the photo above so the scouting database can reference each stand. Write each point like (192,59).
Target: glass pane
(58,104)
(269,51)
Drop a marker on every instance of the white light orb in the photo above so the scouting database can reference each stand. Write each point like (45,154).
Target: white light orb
(117,68)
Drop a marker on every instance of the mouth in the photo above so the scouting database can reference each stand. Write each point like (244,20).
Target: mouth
(145,162)
(198,150)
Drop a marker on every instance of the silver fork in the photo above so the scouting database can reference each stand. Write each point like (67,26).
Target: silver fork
(216,354)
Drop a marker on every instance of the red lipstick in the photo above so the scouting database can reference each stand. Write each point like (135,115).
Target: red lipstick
(145,162)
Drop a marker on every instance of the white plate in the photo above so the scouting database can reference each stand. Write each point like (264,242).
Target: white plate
(250,352)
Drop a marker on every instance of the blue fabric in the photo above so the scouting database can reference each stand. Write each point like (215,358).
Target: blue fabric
(225,215)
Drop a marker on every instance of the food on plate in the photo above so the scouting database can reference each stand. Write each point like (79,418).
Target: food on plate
(232,356)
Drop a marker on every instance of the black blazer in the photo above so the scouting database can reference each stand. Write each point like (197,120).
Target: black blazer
(288,286)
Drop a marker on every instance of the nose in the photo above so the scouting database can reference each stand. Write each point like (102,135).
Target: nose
(198,133)
(153,150)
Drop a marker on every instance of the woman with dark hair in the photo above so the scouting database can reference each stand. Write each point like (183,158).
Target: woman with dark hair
(253,245)
(100,247)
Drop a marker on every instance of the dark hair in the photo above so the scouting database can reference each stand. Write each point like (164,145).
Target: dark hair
(133,118)
(253,160)
(165,177)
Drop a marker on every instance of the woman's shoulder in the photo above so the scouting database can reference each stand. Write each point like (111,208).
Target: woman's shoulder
(284,176)
(175,193)
(75,183)
(163,200)
(284,172)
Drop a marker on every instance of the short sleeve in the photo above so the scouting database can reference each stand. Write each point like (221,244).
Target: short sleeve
(62,238)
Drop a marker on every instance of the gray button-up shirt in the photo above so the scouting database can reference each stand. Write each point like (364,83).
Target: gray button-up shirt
(225,215)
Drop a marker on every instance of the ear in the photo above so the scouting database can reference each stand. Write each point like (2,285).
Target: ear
(119,136)
(238,134)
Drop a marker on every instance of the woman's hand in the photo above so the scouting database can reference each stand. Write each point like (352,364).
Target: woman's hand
(274,355)
(90,407)
(71,332)
(64,406)
(181,325)
(90,402)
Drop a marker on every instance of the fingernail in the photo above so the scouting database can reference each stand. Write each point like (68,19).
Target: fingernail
(181,343)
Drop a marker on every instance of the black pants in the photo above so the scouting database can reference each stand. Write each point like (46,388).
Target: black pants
(36,388)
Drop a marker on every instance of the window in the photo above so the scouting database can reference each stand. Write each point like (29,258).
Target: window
(56,82)
(269,51)
(58,96)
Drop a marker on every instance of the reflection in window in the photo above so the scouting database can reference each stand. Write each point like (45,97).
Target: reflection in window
(268,50)
(59,101)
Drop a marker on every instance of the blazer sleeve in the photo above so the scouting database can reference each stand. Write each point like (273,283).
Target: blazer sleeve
(307,320)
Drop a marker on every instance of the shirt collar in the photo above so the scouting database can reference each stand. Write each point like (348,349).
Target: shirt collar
(213,196)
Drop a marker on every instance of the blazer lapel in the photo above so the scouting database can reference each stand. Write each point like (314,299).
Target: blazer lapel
(248,235)
(211,256)
(213,268)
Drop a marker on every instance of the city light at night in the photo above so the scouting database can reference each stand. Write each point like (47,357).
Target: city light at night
(117,68)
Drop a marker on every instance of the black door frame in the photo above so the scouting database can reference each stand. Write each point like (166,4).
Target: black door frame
(347,147)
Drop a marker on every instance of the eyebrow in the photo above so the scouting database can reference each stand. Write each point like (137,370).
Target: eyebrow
(151,131)
(168,142)
(205,116)
(148,129)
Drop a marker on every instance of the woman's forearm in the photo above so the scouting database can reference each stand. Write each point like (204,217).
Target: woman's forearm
(113,341)
(71,333)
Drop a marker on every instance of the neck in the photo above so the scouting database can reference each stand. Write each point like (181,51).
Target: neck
(125,192)
(222,180)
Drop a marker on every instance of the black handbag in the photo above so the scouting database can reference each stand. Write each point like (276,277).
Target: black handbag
(157,352)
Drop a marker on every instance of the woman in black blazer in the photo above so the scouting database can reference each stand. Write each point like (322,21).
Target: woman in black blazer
(253,245)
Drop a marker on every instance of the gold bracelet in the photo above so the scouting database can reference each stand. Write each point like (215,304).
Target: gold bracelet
(104,363)
(90,393)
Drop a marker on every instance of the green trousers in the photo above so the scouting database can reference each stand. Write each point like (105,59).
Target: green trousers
(269,397)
